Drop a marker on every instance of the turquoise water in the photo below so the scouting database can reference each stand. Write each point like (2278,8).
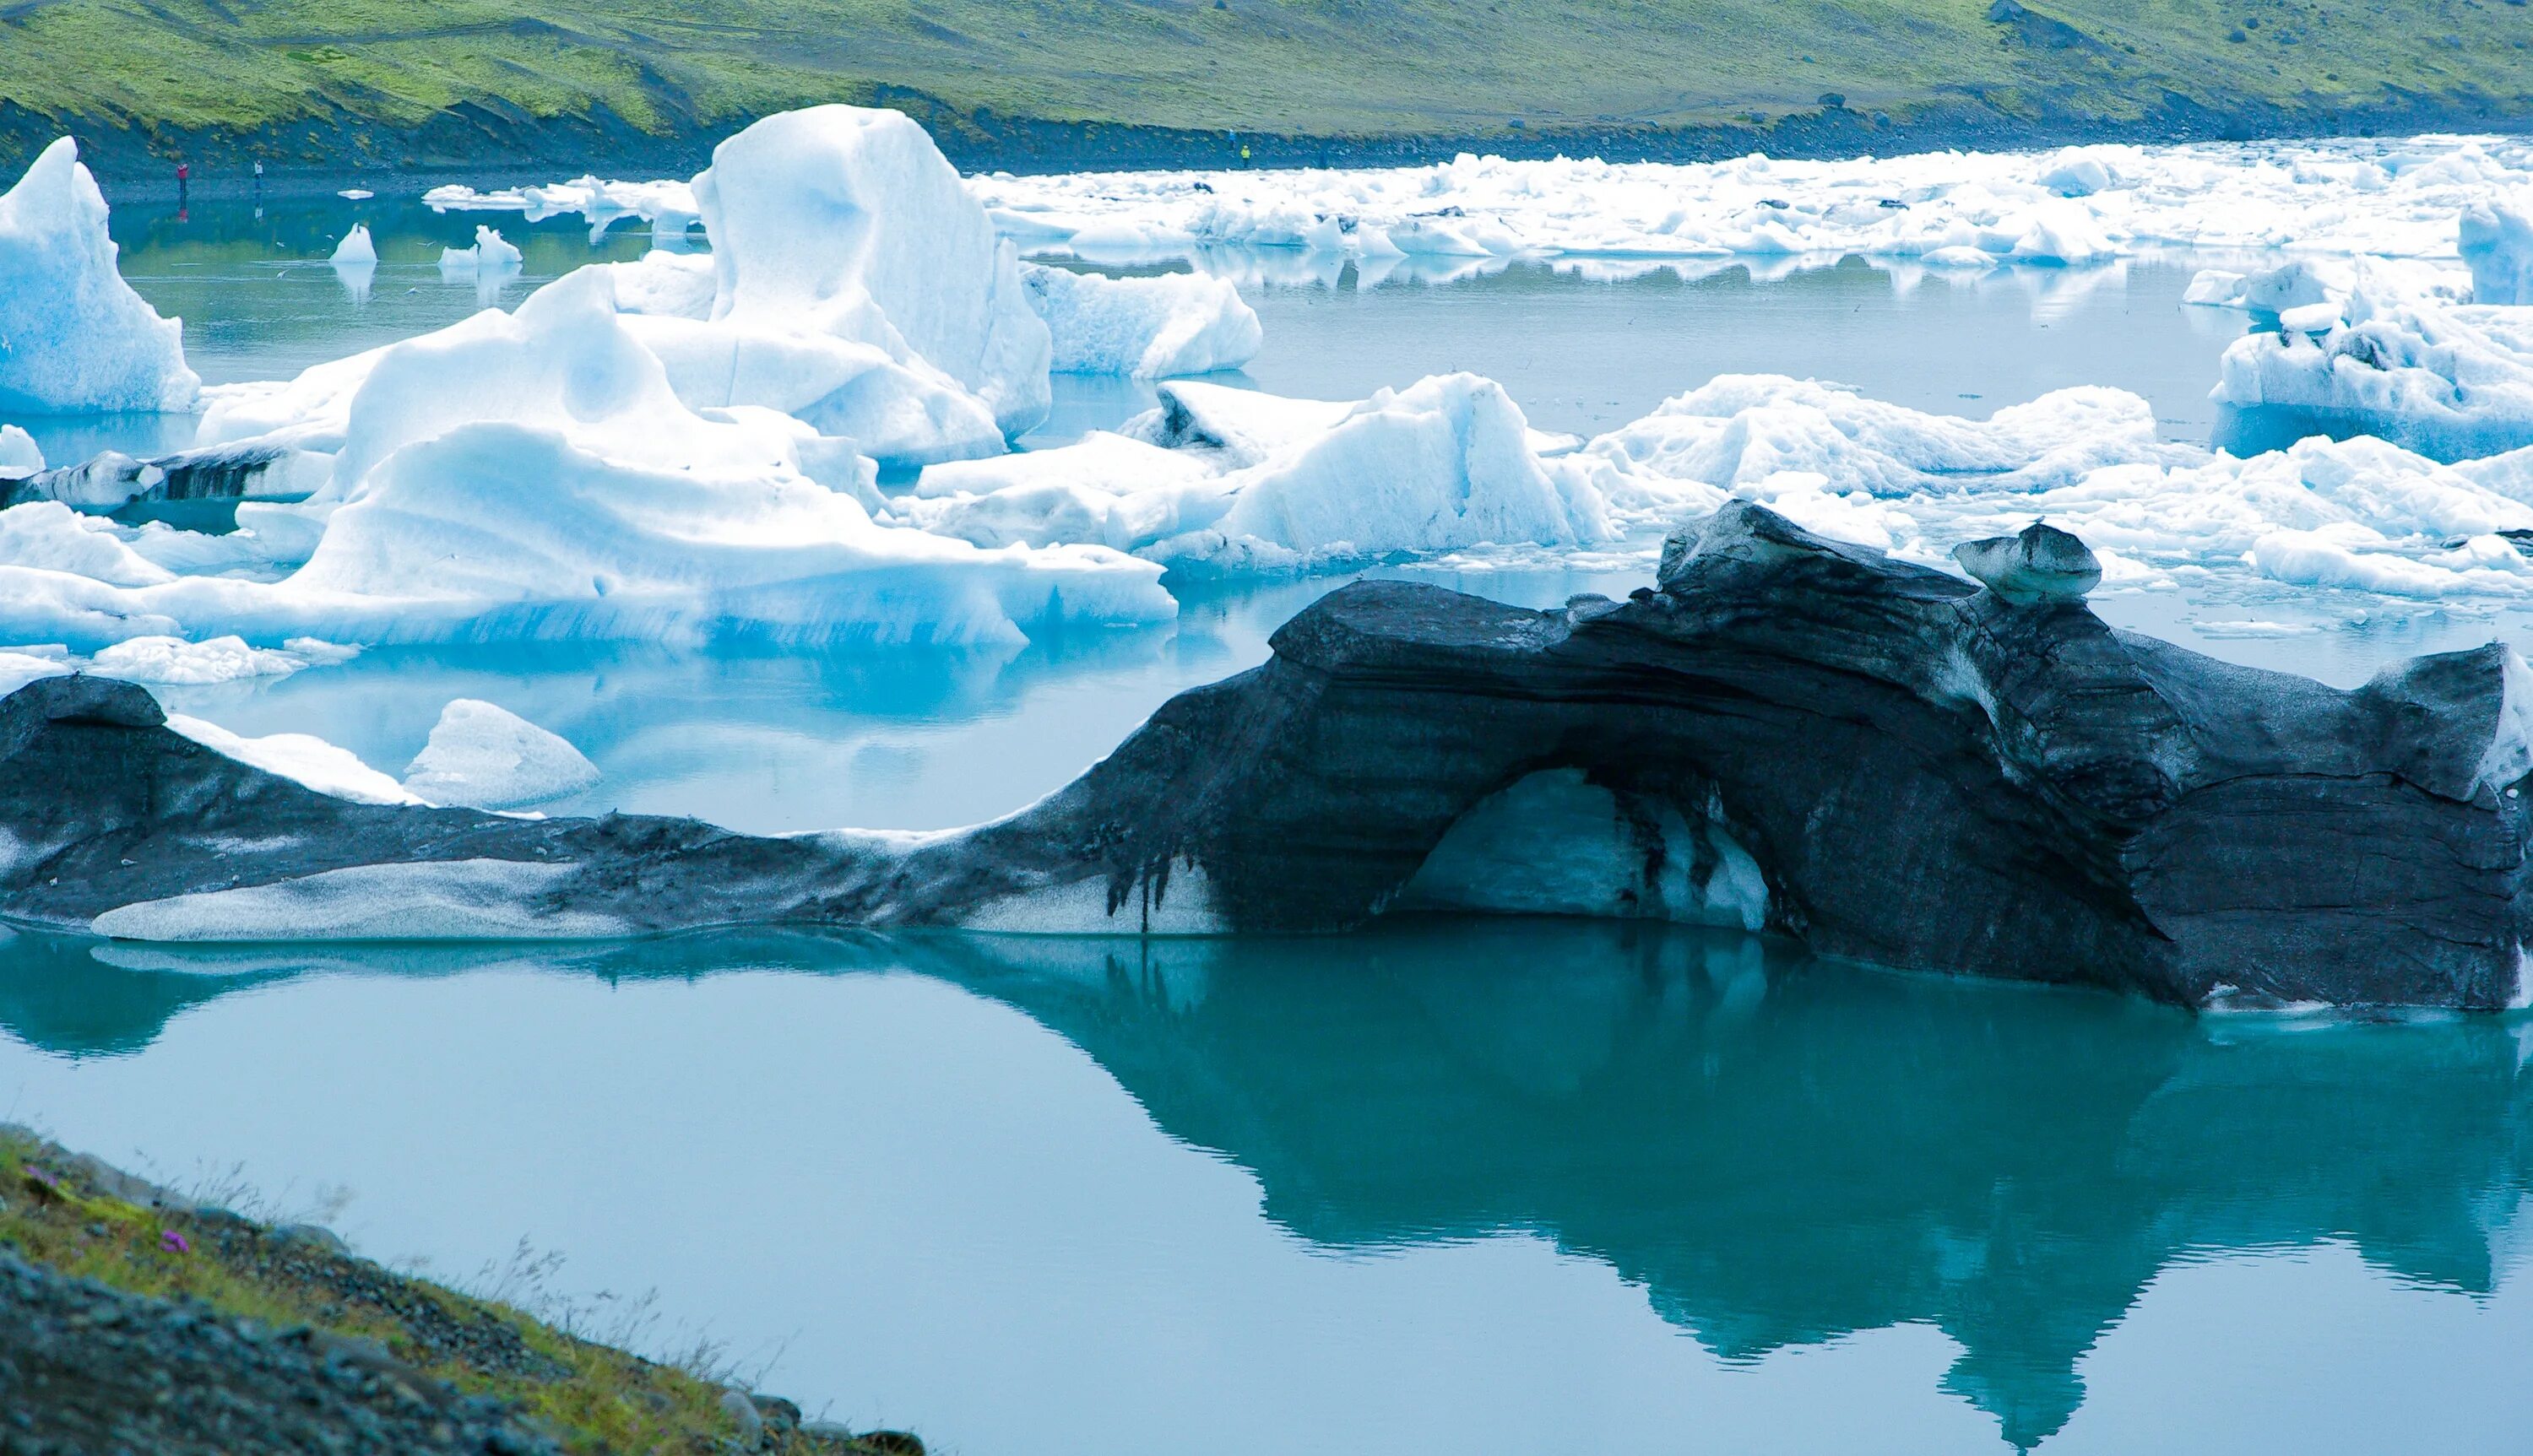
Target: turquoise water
(1506,1187)
(1466,1189)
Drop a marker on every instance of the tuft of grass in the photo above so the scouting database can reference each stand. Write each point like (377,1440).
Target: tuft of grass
(1335,68)
(592,1396)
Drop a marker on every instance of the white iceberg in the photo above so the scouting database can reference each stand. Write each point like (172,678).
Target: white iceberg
(2453,380)
(20,456)
(484,756)
(175,661)
(845,225)
(302,758)
(492,254)
(1446,464)
(73,337)
(1741,429)
(2495,241)
(533,475)
(356,247)
(1176,323)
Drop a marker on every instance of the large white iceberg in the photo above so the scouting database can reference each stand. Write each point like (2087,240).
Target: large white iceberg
(73,337)
(844,226)
(2495,241)
(534,475)
(1176,323)
(1446,464)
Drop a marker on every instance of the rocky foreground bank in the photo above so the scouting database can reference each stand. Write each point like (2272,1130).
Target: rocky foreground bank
(135,1320)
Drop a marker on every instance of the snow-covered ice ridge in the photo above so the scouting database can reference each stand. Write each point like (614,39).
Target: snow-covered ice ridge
(2385,199)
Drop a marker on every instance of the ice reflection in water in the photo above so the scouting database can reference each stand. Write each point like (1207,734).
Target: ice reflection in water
(1443,1186)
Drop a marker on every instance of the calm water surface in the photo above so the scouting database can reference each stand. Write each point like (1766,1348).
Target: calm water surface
(1509,1187)
(1492,1188)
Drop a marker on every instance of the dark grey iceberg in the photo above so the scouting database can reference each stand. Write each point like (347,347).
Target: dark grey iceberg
(1787,734)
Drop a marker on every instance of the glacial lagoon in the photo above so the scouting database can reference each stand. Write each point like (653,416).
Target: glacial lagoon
(1441,1186)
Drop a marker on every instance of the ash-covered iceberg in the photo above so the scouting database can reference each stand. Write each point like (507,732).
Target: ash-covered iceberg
(1446,464)
(1148,328)
(73,337)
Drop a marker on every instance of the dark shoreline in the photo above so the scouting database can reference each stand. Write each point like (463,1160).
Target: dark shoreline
(483,147)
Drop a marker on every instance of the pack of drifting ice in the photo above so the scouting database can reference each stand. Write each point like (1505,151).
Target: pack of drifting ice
(2394,199)
(2359,513)
(73,337)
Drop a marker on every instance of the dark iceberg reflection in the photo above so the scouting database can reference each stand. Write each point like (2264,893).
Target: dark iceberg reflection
(1780,1151)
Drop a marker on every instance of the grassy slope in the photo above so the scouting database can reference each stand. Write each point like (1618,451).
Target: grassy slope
(598,1398)
(1298,67)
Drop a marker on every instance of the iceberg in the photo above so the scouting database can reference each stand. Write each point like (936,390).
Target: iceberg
(2453,380)
(2495,241)
(356,247)
(482,756)
(533,474)
(490,255)
(845,225)
(1446,464)
(302,758)
(1177,323)
(19,455)
(73,337)
(1737,429)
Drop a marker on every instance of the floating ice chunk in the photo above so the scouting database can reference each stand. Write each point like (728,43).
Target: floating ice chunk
(2063,232)
(1960,255)
(19,455)
(444,899)
(49,534)
(2079,171)
(846,222)
(73,337)
(669,205)
(1442,465)
(1242,426)
(1737,429)
(486,757)
(356,194)
(1177,323)
(356,247)
(175,661)
(2495,241)
(301,758)
(21,666)
(514,528)
(2453,380)
(490,255)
